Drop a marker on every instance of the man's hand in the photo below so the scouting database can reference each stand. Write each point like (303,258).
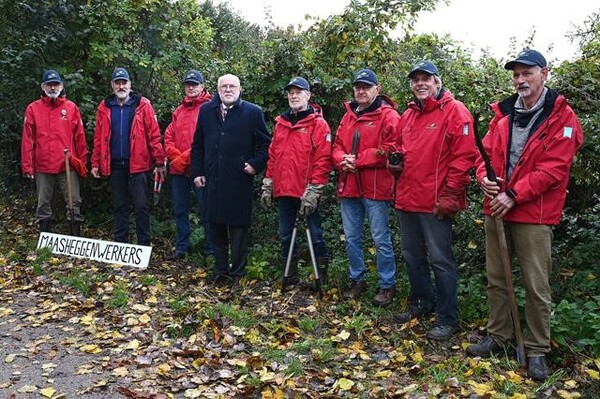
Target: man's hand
(28,176)
(395,170)
(200,181)
(310,199)
(249,170)
(501,204)
(162,171)
(348,163)
(267,193)
(96,172)
(448,203)
(490,188)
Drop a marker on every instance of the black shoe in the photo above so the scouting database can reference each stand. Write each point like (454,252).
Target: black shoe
(487,347)
(219,279)
(442,332)
(415,312)
(537,368)
(384,297)
(356,289)
(176,256)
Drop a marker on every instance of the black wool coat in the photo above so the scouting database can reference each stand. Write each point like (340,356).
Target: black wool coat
(219,152)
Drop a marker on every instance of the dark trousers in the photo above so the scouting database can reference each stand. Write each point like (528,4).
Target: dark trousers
(224,235)
(124,184)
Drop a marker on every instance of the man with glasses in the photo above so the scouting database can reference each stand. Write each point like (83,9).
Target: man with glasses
(230,147)
(365,188)
(297,173)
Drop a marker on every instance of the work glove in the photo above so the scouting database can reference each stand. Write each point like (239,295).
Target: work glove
(78,166)
(310,199)
(266,198)
(448,202)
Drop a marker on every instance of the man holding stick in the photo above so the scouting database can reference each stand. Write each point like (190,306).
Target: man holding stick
(53,125)
(365,188)
(531,141)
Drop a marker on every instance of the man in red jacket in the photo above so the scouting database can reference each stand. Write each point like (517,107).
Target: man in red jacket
(127,145)
(53,124)
(298,171)
(178,142)
(531,141)
(439,151)
(364,137)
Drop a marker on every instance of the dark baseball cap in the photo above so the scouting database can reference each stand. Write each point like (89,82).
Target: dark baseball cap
(527,57)
(298,82)
(425,66)
(51,76)
(193,76)
(366,76)
(120,74)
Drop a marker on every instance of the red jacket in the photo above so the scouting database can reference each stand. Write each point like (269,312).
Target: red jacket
(299,154)
(48,129)
(439,151)
(146,150)
(540,178)
(378,129)
(180,133)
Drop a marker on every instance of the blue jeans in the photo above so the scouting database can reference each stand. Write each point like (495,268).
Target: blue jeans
(288,209)
(378,215)
(122,184)
(181,186)
(427,245)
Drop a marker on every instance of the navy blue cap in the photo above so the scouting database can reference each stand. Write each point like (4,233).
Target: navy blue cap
(298,82)
(120,74)
(527,57)
(193,76)
(51,76)
(367,76)
(424,66)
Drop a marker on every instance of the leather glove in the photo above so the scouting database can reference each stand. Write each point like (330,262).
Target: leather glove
(448,202)
(310,199)
(266,198)
(78,166)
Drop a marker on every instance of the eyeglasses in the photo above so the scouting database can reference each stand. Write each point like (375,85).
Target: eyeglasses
(229,87)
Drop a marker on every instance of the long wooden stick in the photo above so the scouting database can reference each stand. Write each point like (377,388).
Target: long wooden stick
(506,265)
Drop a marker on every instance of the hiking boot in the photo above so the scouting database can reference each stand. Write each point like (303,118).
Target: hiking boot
(219,280)
(384,297)
(537,368)
(487,347)
(357,288)
(414,312)
(442,332)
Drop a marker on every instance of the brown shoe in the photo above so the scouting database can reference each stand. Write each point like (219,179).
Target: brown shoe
(384,297)
(357,288)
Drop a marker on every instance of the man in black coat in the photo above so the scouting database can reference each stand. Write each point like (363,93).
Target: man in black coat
(230,146)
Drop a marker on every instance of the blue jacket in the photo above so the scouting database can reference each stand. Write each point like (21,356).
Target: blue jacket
(219,152)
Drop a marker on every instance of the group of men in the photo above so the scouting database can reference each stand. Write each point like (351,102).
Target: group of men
(419,160)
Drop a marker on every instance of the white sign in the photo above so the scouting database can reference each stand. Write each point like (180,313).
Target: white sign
(99,250)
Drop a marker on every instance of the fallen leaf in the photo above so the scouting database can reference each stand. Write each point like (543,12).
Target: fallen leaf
(48,392)
(345,384)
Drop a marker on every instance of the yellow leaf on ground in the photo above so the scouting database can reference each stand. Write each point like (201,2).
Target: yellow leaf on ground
(594,374)
(27,389)
(5,312)
(345,384)
(48,392)
(480,389)
(571,384)
(141,308)
(152,300)
(163,369)
(383,374)
(133,345)
(518,396)
(91,348)
(568,395)
(10,358)
(514,377)
(120,372)
(145,319)
(344,335)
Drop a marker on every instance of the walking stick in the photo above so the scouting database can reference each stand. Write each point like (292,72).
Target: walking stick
(355,144)
(510,290)
(70,191)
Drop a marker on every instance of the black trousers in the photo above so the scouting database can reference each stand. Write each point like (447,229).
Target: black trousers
(223,236)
